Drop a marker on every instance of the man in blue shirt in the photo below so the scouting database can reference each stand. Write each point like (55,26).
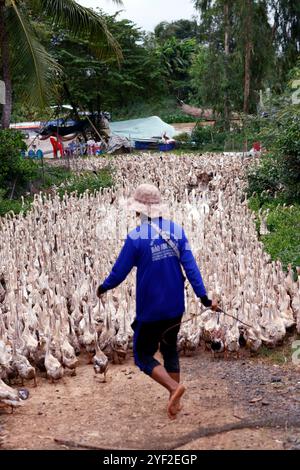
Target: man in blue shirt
(158,248)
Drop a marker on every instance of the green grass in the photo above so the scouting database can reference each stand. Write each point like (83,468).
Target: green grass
(283,222)
(55,175)
(281,355)
(276,356)
(15,206)
(87,182)
(64,181)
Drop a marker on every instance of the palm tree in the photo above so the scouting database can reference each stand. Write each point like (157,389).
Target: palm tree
(20,47)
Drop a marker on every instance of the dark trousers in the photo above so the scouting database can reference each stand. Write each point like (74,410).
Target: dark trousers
(150,337)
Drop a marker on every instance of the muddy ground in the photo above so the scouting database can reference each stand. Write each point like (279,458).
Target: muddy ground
(229,404)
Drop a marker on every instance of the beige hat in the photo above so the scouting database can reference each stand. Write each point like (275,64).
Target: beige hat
(147,200)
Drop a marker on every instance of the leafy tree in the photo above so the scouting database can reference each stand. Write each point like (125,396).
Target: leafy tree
(238,38)
(254,45)
(180,29)
(286,35)
(279,170)
(14,170)
(208,79)
(22,51)
(94,84)
(176,59)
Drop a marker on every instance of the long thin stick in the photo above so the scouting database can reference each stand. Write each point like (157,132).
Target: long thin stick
(78,445)
(219,310)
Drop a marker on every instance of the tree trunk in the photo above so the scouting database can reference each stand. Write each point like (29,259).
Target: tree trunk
(68,95)
(227,52)
(227,25)
(4,47)
(248,52)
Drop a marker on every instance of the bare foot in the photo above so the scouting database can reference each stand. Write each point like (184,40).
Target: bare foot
(174,402)
(179,406)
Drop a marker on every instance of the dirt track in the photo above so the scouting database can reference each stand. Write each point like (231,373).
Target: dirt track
(184,127)
(128,412)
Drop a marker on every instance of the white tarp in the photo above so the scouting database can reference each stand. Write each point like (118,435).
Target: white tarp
(142,129)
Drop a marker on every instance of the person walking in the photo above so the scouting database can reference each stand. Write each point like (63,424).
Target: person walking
(158,247)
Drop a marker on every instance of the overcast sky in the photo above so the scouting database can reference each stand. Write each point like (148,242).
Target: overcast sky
(146,13)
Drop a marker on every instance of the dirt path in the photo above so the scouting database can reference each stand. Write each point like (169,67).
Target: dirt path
(184,127)
(129,412)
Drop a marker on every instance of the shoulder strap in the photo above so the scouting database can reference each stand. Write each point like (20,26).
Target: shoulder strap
(165,236)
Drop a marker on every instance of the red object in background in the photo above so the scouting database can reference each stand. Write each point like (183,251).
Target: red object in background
(57,146)
(54,146)
(60,148)
(257,146)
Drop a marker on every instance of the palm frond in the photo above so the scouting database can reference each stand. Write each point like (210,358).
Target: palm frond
(31,61)
(82,21)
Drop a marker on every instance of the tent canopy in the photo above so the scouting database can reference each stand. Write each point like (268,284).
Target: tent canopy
(142,129)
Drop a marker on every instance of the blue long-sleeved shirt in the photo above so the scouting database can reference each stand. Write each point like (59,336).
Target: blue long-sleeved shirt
(160,281)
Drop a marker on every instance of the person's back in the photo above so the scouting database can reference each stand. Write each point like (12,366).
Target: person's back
(158,248)
(160,282)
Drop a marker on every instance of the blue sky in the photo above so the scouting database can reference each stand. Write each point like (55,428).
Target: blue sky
(146,13)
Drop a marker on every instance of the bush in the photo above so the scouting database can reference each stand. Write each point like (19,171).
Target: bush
(16,206)
(183,137)
(287,148)
(15,171)
(279,169)
(177,117)
(55,175)
(283,242)
(283,222)
(209,138)
(7,205)
(264,178)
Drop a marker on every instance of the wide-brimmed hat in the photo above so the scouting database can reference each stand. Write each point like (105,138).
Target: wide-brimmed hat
(147,200)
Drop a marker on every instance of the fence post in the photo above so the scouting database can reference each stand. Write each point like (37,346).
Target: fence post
(43,169)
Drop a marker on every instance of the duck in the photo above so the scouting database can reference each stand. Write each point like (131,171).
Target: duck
(23,367)
(72,337)
(232,339)
(38,356)
(54,280)
(2,289)
(100,360)
(31,342)
(54,369)
(120,341)
(9,396)
(69,358)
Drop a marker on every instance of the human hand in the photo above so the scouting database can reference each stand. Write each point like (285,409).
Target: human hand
(99,292)
(215,303)
(212,304)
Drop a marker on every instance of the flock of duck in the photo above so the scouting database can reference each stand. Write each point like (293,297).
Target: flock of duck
(53,258)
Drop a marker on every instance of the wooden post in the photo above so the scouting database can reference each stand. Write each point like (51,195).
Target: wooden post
(43,169)
(248,53)
(5,66)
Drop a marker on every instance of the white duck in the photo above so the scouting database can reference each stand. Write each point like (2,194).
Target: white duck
(9,396)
